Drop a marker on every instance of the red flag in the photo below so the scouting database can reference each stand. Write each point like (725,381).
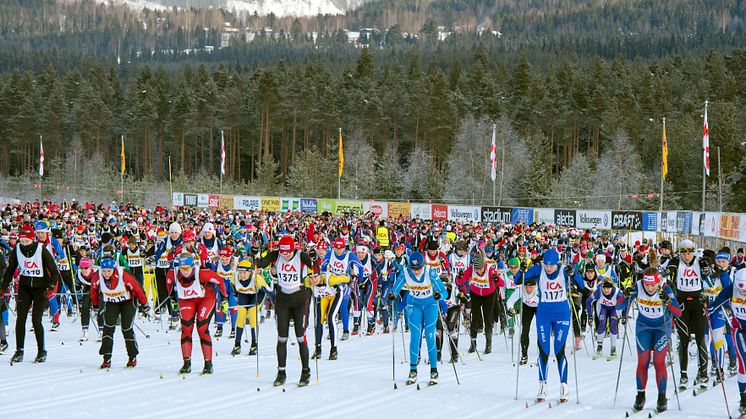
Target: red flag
(706,144)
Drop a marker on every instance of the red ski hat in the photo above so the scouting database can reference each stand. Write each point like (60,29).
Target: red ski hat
(27,232)
(651,279)
(225,252)
(286,244)
(339,243)
(188,235)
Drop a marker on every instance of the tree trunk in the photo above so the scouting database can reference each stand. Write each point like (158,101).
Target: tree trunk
(292,141)
(261,139)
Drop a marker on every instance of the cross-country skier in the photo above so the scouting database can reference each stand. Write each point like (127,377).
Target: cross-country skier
(195,289)
(655,304)
(337,266)
(250,289)
(293,268)
(37,275)
(605,299)
(481,283)
(713,285)
(84,276)
(118,291)
(425,289)
(552,316)
(526,292)
(226,269)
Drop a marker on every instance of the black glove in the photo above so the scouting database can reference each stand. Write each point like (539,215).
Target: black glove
(665,297)
(392,296)
(623,320)
(524,266)
(145,309)
(590,320)
(436,294)
(704,299)
(463,299)
(627,291)
(706,271)
(149,260)
(511,312)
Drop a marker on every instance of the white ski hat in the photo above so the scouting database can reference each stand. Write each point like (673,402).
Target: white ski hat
(174,228)
(687,244)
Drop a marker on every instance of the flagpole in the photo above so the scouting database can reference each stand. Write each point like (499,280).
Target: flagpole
(170,181)
(222,159)
(704,168)
(41,167)
(720,184)
(663,163)
(339,178)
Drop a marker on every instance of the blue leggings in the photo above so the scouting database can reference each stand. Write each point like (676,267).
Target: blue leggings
(419,316)
(739,337)
(717,338)
(384,305)
(344,308)
(555,329)
(651,341)
(219,314)
(400,307)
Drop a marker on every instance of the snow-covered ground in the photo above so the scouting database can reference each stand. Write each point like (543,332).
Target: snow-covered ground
(358,384)
(263,7)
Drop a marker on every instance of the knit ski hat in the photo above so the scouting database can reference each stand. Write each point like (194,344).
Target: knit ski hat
(478,261)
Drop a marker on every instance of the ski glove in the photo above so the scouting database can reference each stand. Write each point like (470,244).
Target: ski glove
(392,296)
(511,312)
(436,294)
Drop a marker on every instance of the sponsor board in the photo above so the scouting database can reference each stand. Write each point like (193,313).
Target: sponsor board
(246,203)
(593,219)
(190,200)
(650,221)
(440,212)
(378,208)
(626,220)
(203,200)
(328,205)
(177,199)
(289,204)
(399,209)
(349,207)
(565,218)
(522,215)
(308,205)
(270,204)
(464,213)
(496,215)
(544,216)
(730,226)
(422,211)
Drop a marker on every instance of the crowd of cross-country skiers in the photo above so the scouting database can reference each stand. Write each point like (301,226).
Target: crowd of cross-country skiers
(222,269)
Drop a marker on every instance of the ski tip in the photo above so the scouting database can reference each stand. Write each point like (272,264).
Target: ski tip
(161,376)
(550,405)
(258,390)
(395,387)
(650,415)
(626,414)
(526,405)
(283,390)
(418,387)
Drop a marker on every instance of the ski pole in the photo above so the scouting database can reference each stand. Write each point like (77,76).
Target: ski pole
(450,338)
(317,320)
(256,319)
(393,352)
(619,371)
(147,336)
(574,358)
(715,355)
(518,364)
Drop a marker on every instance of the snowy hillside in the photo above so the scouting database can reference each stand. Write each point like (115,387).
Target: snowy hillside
(262,7)
(359,383)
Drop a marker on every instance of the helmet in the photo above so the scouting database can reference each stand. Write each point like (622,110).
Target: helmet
(244,265)
(286,244)
(686,246)
(174,228)
(551,257)
(189,236)
(416,261)
(108,263)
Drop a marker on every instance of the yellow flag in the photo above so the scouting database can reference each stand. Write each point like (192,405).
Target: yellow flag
(341,154)
(124,164)
(665,151)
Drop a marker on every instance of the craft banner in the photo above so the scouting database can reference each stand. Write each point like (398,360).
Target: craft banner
(349,207)
(463,213)
(626,220)
(650,221)
(399,209)
(593,219)
(328,205)
(565,218)
(308,205)
(422,211)
(440,212)
(246,203)
(270,204)
(177,199)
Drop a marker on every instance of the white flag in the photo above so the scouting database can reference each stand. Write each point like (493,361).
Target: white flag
(493,155)
(222,153)
(41,157)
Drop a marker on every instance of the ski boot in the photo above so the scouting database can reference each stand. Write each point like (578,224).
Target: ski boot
(236,350)
(132,362)
(173,323)
(17,357)
(542,395)
(3,347)
(55,326)
(84,336)
(742,405)
(187,367)
(386,330)
(732,367)
(511,332)
(612,354)
(473,346)
(233,334)
(355,330)
(107,362)
(208,368)
(253,349)
(219,332)
(305,377)
(280,379)
(488,345)
(433,377)
(371,329)
(578,343)
(41,357)
(599,351)
(662,404)
(524,360)
(454,357)
(702,379)
(412,378)
(639,401)
(333,353)
(316,352)
(683,381)
(564,393)
(345,335)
